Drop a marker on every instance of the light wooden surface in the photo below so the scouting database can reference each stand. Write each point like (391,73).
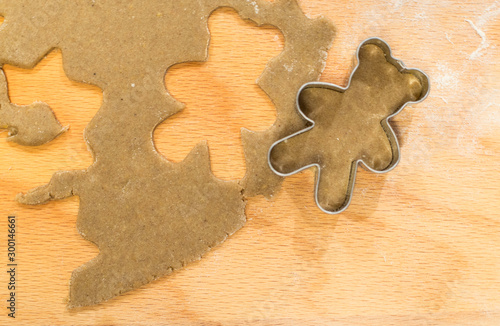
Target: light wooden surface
(418,246)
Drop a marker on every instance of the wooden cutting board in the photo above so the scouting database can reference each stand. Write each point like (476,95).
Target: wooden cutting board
(418,246)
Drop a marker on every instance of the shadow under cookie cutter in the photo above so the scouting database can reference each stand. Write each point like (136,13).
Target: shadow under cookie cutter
(396,151)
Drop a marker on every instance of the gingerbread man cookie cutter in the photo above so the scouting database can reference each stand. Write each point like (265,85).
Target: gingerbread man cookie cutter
(395,147)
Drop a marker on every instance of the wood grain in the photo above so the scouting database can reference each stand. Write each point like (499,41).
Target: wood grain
(418,246)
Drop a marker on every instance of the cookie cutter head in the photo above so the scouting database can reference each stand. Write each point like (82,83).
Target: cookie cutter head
(396,150)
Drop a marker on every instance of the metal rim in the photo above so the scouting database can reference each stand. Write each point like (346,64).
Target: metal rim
(422,76)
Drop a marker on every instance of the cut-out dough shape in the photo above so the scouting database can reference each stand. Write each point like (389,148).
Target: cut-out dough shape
(350,125)
(149,216)
(29,125)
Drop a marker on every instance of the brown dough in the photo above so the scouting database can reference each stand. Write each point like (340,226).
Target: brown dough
(348,126)
(146,226)
(30,125)
(149,216)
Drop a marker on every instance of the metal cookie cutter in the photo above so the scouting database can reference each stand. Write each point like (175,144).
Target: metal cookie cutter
(396,151)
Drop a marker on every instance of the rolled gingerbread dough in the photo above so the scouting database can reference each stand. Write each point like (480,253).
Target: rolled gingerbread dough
(149,216)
